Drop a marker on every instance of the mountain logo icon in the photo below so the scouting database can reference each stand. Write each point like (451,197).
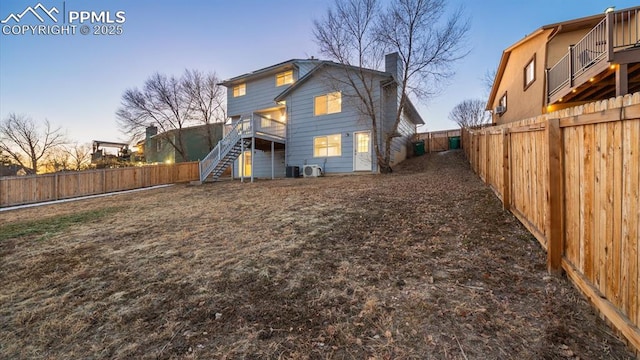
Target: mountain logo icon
(39,11)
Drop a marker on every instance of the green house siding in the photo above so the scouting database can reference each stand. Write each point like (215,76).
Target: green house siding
(194,138)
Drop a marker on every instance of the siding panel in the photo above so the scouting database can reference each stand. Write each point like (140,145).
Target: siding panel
(304,126)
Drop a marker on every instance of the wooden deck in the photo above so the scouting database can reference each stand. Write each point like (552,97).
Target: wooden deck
(603,64)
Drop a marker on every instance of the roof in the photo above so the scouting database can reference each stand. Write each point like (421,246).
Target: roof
(413,113)
(556,28)
(187,128)
(267,70)
(321,65)
(109,143)
(410,109)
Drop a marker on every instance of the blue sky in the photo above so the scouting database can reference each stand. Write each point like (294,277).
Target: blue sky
(76,81)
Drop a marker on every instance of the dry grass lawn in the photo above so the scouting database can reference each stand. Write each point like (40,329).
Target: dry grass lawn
(420,264)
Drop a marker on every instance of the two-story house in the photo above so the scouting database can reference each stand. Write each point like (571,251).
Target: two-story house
(299,114)
(567,64)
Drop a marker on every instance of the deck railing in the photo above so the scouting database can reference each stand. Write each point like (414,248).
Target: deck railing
(627,28)
(591,49)
(268,126)
(559,75)
(617,31)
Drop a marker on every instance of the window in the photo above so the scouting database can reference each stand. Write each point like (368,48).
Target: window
(239,90)
(502,104)
(328,104)
(284,78)
(158,145)
(330,145)
(362,143)
(530,72)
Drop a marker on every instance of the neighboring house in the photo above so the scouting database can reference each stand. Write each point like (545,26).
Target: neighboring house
(12,170)
(296,114)
(100,156)
(198,141)
(568,64)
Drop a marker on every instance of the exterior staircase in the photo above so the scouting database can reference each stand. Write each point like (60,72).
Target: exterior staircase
(243,135)
(224,154)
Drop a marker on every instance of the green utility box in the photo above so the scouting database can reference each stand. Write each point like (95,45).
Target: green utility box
(418,148)
(454,142)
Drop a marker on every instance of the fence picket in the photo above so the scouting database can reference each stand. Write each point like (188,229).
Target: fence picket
(576,187)
(19,190)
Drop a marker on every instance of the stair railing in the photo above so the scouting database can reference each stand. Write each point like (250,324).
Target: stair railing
(208,164)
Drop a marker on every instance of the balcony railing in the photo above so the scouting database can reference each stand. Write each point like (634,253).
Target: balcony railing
(260,125)
(617,31)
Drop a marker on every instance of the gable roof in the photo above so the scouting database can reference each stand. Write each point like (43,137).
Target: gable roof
(267,70)
(388,79)
(322,64)
(556,28)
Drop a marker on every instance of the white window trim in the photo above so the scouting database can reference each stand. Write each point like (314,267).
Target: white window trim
(339,95)
(526,73)
(284,75)
(327,147)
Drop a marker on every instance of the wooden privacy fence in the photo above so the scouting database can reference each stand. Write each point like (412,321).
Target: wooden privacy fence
(19,190)
(572,178)
(437,140)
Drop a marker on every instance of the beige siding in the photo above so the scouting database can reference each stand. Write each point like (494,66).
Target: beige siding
(523,103)
(559,45)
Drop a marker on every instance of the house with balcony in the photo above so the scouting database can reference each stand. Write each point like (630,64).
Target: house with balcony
(567,64)
(302,114)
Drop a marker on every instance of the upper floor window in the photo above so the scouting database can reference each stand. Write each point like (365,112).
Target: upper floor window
(530,72)
(328,104)
(284,78)
(239,90)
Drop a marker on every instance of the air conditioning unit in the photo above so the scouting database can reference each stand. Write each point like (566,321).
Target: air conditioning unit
(500,110)
(312,171)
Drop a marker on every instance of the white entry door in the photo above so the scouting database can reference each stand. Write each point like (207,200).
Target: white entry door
(362,152)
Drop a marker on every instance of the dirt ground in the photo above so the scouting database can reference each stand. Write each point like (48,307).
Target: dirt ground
(419,264)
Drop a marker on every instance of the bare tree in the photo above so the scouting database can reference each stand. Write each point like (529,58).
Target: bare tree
(5,160)
(357,32)
(79,156)
(171,104)
(162,103)
(347,35)
(57,160)
(470,113)
(27,142)
(207,100)
(488,79)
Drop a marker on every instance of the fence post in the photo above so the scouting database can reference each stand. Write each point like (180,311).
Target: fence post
(555,231)
(56,187)
(472,150)
(104,181)
(488,157)
(506,170)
